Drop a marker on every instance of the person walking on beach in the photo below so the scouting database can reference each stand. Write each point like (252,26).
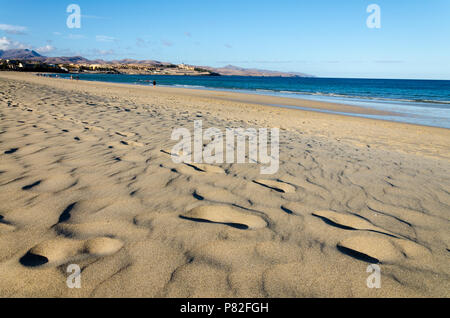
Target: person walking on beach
(154,83)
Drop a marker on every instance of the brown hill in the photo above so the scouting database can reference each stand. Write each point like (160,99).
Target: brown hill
(230,70)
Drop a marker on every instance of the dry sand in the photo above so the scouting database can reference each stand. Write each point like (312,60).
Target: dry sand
(84,180)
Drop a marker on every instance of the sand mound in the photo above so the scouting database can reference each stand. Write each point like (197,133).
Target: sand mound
(102,246)
(225,215)
(55,183)
(276,185)
(119,229)
(376,249)
(59,251)
(293,208)
(349,222)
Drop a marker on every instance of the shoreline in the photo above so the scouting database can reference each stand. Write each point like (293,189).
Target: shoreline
(290,107)
(372,108)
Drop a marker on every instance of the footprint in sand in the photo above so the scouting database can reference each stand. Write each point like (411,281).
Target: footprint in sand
(60,251)
(31,149)
(11,151)
(55,183)
(31,185)
(190,169)
(293,208)
(5,226)
(349,222)
(124,144)
(179,154)
(167,152)
(93,128)
(276,185)
(200,167)
(214,194)
(133,143)
(65,215)
(117,145)
(85,138)
(206,168)
(376,249)
(225,215)
(125,134)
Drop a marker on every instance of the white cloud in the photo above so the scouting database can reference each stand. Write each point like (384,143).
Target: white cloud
(13,29)
(7,44)
(4,43)
(45,49)
(105,38)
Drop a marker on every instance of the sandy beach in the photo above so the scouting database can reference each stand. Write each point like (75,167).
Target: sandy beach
(86,178)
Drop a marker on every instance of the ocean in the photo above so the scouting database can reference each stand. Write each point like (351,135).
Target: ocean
(424,102)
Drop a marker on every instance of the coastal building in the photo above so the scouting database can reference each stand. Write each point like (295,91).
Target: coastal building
(94,67)
(185,67)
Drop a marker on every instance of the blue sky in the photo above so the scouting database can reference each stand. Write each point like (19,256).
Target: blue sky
(325,38)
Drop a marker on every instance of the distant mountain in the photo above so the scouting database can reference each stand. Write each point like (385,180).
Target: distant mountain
(19,54)
(140,62)
(240,71)
(30,55)
(33,56)
(63,60)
